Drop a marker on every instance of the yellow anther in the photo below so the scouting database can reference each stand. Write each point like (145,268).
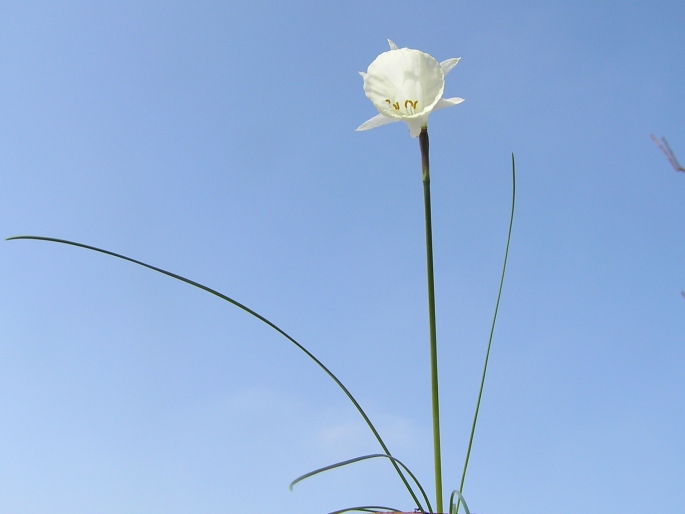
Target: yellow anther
(396,105)
(412,104)
(389,102)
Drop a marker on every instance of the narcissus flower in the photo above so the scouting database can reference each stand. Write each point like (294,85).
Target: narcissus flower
(406,85)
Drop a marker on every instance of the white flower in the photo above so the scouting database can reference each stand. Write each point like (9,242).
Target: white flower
(406,85)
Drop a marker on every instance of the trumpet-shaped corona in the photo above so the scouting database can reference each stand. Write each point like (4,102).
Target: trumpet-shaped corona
(406,85)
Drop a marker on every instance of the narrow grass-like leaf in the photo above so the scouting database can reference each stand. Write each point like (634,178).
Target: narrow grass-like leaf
(366,457)
(365,508)
(454,508)
(492,329)
(260,318)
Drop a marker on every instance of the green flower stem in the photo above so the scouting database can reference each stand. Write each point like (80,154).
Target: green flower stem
(425,174)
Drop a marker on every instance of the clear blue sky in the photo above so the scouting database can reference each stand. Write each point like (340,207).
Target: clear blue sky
(216,140)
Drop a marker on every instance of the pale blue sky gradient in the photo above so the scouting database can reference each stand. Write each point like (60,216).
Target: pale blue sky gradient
(216,140)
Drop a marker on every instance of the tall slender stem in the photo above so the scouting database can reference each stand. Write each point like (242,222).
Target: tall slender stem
(425,174)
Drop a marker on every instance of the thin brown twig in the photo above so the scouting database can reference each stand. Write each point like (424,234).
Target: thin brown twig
(666,149)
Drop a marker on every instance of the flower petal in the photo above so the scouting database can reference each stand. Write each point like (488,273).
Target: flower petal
(362,74)
(404,83)
(449,64)
(415,125)
(447,102)
(377,121)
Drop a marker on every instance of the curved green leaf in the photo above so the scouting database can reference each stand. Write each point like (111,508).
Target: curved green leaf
(492,328)
(366,457)
(365,508)
(260,318)
(454,508)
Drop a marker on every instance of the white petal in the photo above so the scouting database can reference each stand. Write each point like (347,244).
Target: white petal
(393,46)
(449,64)
(404,83)
(447,102)
(362,73)
(377,121)
(415,125)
